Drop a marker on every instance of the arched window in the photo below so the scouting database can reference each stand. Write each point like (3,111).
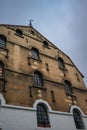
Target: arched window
(78,119)
(42,116)
(35,53)
(1,69)
(38,79)
(68,87)
(2,41)
(61,62)
(19,32)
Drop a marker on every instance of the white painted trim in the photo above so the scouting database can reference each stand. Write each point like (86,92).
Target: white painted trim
(35,106)
(18,107)
(33,109)
(1,126)
(41,101)
(61,113)
(3,102)
(73,107)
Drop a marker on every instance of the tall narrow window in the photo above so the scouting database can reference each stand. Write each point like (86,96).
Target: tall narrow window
(52,95)
(42,116)
(78,119)
(2,41)
(68,87)
(1,69)
(61,62)
(77,76)
(35,53)
(47,67)
(38,79)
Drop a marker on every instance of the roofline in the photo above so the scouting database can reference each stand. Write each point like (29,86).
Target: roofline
(15,25)
(28,26)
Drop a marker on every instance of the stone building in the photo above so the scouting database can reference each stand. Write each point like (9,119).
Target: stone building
(40,86)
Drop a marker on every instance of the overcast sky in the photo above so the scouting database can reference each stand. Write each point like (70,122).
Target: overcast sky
(63,22)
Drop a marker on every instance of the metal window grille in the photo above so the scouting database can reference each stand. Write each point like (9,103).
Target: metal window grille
(61,62)
(78,119)
(35,53)
(42,115)
(37,79)
(68,87)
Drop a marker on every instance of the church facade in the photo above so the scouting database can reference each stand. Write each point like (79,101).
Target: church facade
(40,86)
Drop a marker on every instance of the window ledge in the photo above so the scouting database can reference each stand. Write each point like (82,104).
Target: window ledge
(71,94)
(63,68)
(34,86)
(46,46)
(74,95)
(2,78)
(19,35)
(4,48)
(35,59)
(42,125)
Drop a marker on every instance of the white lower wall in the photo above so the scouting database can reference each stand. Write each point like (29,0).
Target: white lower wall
(21,118)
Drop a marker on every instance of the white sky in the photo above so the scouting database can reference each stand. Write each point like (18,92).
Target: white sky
(63,22)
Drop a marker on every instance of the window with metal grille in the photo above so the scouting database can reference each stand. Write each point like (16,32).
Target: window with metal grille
(61,62)
(42,116)
(2,41)
(78,119)
(1,69)
(35,53)
(38,79)
(68,87)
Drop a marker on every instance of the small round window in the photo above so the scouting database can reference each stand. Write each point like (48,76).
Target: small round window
(45,43)
(19,32)
(32,32)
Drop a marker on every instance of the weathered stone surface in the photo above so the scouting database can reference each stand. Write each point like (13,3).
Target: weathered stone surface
(19,67)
